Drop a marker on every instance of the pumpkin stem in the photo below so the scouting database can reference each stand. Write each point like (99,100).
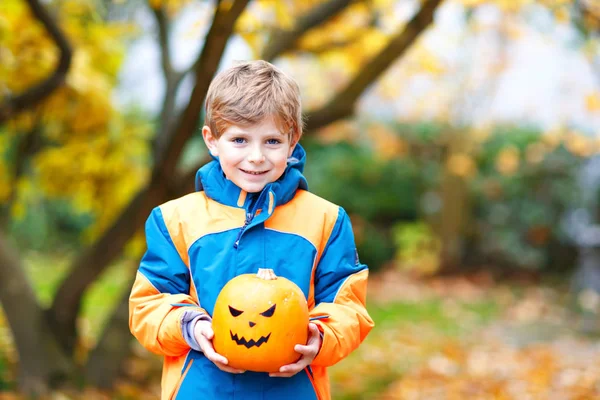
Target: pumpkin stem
(266,274)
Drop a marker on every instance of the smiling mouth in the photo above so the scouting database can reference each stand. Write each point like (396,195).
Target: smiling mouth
(254,172)
(249,343)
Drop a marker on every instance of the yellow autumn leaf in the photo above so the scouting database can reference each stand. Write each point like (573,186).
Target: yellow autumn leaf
(283,15)
(481,133)
(372,42)
(386,143)
(578,144)
(461,164)
(472,3)
(592,102)
(552,138)
(508,160)
(562,15)
(18,210)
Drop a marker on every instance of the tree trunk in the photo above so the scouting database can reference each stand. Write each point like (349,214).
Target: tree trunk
(90,264)
(41,362)
(106,360)
(455,211)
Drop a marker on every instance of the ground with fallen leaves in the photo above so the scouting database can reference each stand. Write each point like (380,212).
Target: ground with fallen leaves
(443,338)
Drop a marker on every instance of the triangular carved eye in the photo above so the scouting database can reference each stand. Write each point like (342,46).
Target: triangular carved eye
(234,312)
(269,312)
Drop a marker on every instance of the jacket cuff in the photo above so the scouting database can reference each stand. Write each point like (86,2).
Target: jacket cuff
(188,323)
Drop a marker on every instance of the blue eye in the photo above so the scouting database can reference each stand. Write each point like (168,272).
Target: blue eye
(273,141)
(238,140)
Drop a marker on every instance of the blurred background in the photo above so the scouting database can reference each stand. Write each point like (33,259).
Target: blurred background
(460,135)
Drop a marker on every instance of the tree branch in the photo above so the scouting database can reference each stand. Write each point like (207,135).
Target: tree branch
(92,262)
(342,105)
(284,40)
(163,40)
(172,81)
(340,43)
(37,93)
(206,67)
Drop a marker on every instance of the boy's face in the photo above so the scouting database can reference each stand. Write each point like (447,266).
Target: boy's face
(251,156)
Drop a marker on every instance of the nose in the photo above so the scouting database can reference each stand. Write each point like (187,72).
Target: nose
(251,324)
(256,155)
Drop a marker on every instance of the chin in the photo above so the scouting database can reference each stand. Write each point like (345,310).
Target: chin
(252,188)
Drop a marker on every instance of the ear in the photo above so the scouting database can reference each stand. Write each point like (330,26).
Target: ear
(292,147)
(210,140)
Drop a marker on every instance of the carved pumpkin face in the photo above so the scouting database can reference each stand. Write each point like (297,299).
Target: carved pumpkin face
(258,319)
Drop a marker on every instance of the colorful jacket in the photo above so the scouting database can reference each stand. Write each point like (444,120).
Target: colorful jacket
(197,243)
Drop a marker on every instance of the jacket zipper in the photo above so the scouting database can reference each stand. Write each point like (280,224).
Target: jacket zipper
(249,217)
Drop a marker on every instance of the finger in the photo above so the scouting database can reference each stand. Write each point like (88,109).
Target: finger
(229,369)
(287,371)
(301,349)
(291,368)
(315,333)
(281,375)
(217,358)
(211,354)
(310,351)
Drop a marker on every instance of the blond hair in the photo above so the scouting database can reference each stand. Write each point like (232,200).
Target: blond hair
(251,91)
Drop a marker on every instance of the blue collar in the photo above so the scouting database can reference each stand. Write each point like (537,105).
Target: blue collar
(211,179)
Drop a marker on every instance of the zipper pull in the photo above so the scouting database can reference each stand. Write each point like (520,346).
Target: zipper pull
(249,217)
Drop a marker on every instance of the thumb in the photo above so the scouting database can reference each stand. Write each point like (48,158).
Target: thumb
(207,332)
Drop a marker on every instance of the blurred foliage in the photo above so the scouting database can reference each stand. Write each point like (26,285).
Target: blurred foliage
(526,182)
(69,150)
(417,248)
(519,183)
(62,182)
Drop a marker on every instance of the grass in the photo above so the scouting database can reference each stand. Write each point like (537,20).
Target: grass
(438,314)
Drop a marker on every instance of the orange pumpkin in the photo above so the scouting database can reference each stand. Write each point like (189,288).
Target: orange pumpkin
(257,321)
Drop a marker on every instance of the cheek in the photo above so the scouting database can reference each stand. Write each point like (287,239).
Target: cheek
(280,160)
(230,156)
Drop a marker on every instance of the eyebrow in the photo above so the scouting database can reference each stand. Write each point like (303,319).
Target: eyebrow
(241,132)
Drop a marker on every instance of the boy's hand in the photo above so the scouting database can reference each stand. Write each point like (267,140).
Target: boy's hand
(309,352)
(204,334)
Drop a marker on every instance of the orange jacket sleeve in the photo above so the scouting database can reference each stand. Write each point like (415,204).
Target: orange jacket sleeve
(340,295)
(160,294)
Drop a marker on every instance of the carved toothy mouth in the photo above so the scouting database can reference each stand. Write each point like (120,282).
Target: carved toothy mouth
(249,343)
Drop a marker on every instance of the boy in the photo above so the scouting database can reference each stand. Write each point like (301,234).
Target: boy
(251,209)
